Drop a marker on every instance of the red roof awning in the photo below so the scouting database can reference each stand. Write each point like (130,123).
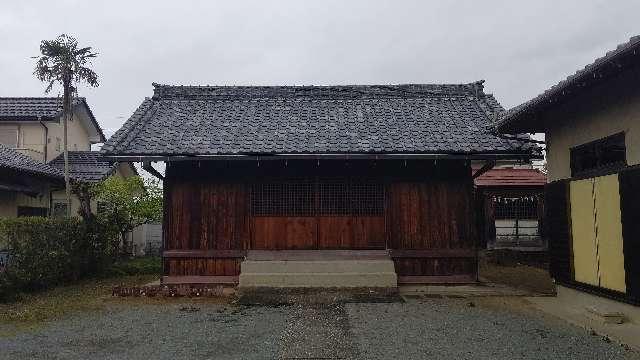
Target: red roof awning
(512,177)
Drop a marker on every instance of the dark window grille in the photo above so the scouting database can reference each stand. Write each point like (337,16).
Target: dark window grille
(318,197)
(516,207)
(282,198)
(601,155)
(354,196)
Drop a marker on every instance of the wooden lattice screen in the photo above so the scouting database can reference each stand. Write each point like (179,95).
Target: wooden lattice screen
(318,197)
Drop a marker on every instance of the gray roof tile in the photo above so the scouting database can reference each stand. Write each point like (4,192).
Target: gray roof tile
(39,108)
(88,166)
(225,120)
(13,160)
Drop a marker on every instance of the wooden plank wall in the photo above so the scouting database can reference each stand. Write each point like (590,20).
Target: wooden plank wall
(208,225)
(203,216)
(318,232)
(431,216)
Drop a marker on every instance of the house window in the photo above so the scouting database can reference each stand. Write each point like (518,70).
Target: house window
(318,197)
(58,144)
(31,211)
(9,137)
(59,209)
(601,155)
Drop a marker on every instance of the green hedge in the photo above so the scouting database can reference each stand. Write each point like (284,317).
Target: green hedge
(44,252)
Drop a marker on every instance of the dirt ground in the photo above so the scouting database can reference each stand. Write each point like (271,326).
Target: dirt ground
(520,276)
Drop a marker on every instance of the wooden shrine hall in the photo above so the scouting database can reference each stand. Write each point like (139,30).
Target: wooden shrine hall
(368,185)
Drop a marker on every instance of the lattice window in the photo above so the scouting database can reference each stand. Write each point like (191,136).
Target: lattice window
(283,198)
(318,197)
(516,207)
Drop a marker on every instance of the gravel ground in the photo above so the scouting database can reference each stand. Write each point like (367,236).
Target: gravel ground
(418,329)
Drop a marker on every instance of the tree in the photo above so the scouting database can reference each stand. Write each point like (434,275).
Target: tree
(62,62)
(128,202)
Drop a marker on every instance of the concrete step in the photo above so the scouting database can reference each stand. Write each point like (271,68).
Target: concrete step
(322,266)
(319,280)
(337,272)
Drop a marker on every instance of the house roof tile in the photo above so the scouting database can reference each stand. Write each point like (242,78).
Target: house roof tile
(40,108)
(13,160)
(88,166)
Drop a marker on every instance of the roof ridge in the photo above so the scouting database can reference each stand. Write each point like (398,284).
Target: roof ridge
(128,127)
(194,92)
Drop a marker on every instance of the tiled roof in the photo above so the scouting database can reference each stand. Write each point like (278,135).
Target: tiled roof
(85,165)
(357,119)
(11,159)
(506,177)
(603,67)
(39,108)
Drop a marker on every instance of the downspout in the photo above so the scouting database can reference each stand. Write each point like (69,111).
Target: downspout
(46,137)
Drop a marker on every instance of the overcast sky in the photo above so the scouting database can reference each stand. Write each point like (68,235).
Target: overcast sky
(520,48)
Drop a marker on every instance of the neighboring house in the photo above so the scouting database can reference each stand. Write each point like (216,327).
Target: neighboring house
(26,184)
(592,126)
(510,208)
(374,171)
(33,126)
(86,167)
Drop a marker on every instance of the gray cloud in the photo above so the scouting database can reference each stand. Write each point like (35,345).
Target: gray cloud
(519,48)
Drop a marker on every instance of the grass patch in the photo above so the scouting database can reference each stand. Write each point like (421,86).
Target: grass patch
(33,309)
(88,295)
(136,266)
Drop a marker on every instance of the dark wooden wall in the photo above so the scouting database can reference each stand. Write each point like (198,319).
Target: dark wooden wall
(428,218)
(431,229)
(558,229)
(630,209)
(317,232)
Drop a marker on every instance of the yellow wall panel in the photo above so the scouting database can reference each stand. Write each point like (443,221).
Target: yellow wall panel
(585,263)
(609,233)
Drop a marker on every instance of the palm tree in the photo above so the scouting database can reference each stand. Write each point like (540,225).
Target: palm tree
(62,62)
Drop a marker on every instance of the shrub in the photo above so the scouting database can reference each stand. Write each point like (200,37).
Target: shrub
(48,251)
